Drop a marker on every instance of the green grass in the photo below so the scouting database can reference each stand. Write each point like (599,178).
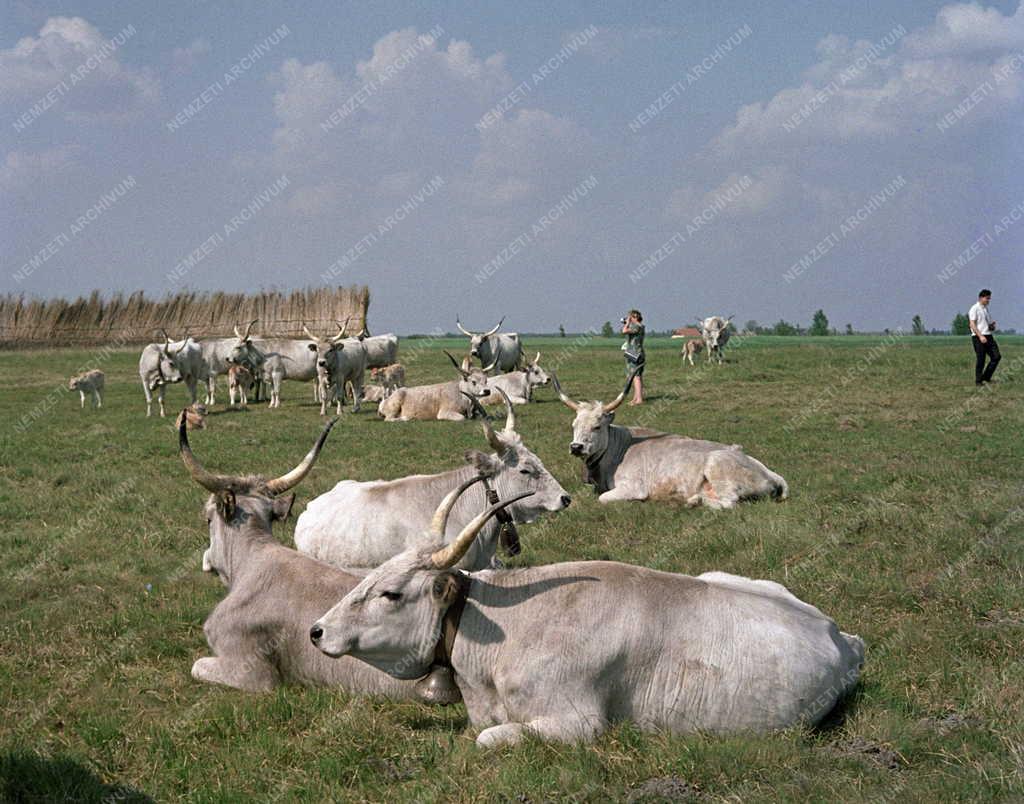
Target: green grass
(904,524)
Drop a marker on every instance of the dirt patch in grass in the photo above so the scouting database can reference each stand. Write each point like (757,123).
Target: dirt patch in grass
(664,788)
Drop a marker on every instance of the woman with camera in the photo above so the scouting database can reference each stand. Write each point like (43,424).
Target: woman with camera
(633,329)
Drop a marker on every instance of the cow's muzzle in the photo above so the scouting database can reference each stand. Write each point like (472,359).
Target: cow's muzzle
(576,448)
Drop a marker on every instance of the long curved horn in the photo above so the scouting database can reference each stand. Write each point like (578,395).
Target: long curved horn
(510,412)
(238,334)
(536,360)
(295,476)
(562,395)
(496,328)
(485,369)
(485,419)
(618,400)
(439,523)
(309,334)
(342,329)
(450,555)
(455,363)
(462,329)
(207,480)
(248,329)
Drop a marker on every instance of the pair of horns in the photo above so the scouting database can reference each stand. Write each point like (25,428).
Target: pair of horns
(342,328)
(510,420)
(461,367)
(487,334)
(167,343)
(451,554)
(248,329)
(216,483)
(608,407)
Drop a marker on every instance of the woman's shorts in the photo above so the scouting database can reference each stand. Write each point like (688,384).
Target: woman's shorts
(635,363)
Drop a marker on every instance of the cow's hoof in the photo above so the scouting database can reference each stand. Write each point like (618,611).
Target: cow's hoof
(438,687)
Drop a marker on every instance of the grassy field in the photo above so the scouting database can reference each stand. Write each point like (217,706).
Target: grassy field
(904,524)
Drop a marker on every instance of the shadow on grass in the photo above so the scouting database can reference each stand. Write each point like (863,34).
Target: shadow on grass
(28,777)
(835,720)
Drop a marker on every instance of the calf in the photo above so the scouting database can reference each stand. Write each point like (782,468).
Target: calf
(562,651)
(445,400)
(90,382)
(519,385)
(391,377)
(690,348)
(240,380)
(259,633)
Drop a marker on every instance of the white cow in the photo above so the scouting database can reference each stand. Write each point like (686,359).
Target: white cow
(91,382)
(563,651)
(519,385)
(715,333)
(500,351)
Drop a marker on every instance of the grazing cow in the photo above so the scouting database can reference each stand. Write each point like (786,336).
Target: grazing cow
(240,380)
(339,361)
(501,351)
(391,376)
(519,385)
(381,350)
(168,362)
(690,348)
(635,463)
(562,651)
(715,333)
(259,633)
(358,524)
(444,400)
(90,382)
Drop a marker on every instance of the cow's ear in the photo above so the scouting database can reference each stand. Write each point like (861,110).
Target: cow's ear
(484,464)
(226,504)
(312,347)
(445,589)
(282,507)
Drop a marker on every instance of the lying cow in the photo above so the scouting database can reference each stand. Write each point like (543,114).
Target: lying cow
(519,385)
(690,349)
(91,382)
(635,463)
(562,651)
(259,632)
(363,524)
(443,400)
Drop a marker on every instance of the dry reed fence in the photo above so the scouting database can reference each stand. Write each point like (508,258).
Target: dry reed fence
(136,319)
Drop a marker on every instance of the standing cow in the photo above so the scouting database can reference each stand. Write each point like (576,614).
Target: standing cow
(715,333)
(691,348)
(562,651)
(501,351)
(363,524)
(381,350)
(162,364)
(89,382)
(339,361)
(635,463)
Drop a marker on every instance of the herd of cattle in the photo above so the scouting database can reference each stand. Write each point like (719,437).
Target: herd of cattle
(395,587)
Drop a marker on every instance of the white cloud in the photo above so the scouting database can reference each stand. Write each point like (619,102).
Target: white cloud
(72,57)
(965,28)
(185,58)
(21,169)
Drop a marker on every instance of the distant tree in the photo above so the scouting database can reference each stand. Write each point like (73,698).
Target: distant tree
(784,328)
(961,326)
(819,324)
(606,330)
(561,331)
(917,326)
(849,329)
(751,326)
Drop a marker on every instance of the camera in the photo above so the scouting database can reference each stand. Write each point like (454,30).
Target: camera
(622,320)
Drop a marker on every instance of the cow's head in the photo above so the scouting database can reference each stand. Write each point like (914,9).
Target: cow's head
(474,380)
(167,364)
(392,619)
(715,330)
(535,375)
(477,339)
(242,506)
(590,427)
(243,352)
(325,348)
(517,469)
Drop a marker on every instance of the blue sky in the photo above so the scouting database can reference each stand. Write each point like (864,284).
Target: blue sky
(768,155)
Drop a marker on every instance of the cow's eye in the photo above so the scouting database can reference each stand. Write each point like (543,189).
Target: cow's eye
(525,472)
(392,596)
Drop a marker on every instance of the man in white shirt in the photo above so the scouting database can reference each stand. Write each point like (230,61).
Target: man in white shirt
(984,342)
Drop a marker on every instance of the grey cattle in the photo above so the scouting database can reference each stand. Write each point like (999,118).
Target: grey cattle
(89,382)
(564,650)
(339,361)
(519,385)
(280,359)
(715,333)
(359,524)
(161,364)
(445,400)
(258,634)
(635,463)
(220,353)
(381,350)
(501,351)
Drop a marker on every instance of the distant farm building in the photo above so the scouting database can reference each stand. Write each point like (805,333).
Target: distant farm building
(686,332)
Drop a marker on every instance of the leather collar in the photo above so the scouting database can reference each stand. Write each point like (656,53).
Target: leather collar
(450,621)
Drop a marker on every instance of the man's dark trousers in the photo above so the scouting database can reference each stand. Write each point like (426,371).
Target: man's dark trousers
(991,349)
